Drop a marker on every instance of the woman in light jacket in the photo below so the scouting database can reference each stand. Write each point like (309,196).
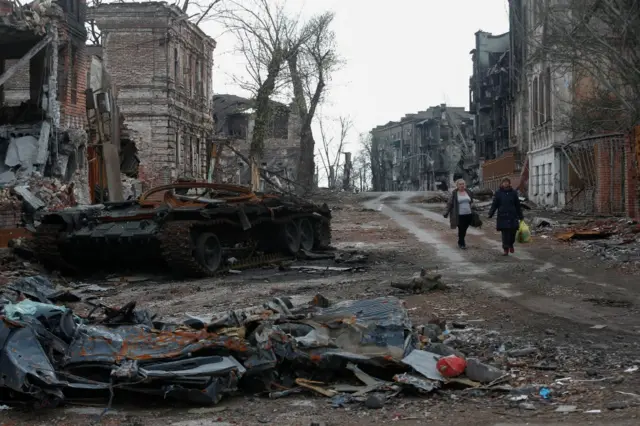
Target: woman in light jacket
(459,211)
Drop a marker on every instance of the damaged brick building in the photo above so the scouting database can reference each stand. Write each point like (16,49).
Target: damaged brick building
(161,64)
(234,120)
(42,105)
(490,100)
(424,150)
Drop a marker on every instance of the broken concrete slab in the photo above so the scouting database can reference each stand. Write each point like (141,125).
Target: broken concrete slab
(22,152)
(7,178)
(31,200)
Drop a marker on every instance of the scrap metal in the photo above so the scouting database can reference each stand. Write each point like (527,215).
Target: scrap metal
(49,354)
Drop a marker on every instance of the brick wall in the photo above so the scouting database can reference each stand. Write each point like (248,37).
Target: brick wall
(161,66)
(616,181)
(16,89)
(494,171)
(72,81)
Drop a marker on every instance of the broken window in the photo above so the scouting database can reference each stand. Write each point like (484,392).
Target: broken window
(199,88)
(176,64)
(189,74)
(541,99)
(547,98)
(177,148)
(534,102)
(191,155)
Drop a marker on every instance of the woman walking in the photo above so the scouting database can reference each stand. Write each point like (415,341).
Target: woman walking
(507,203)
(459,211)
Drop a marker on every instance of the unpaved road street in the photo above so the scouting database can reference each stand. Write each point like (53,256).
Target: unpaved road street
(582,317)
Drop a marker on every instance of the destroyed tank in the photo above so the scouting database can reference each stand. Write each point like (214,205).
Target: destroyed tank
(197,229)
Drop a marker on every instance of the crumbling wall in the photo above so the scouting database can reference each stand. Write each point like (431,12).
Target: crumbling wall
(16,89)
(162,65)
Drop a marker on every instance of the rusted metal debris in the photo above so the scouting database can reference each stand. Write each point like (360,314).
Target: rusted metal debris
(50,354)
(194,227)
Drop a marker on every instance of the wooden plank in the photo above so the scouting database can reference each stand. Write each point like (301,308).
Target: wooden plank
(112,166)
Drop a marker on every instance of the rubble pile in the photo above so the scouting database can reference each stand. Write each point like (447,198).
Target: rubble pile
(54,194)
(37,193)
(613,239)
(353,351)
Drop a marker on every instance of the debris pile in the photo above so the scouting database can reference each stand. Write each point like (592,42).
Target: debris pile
(612,239)
(351,351)
(438,198)
(35,194)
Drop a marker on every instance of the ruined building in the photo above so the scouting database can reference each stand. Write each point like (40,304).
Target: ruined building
(161,65)
(490,102)
(42,98)
(234,118)
(422,151)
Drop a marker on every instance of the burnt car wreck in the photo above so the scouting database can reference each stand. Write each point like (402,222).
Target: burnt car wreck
(50,355)
(197,229)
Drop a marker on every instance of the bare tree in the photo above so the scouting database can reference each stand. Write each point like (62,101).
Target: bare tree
(310,68)
(361,173)
(379,161)
(94,36)
(267,37)
(597,44)
(331,151)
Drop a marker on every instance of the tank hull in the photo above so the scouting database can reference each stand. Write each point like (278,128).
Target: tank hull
(194,236)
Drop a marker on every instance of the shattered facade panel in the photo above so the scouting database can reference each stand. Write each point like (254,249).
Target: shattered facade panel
(42,105)
(161,65)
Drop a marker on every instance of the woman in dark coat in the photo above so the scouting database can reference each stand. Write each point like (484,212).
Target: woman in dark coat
(507,203)
(459,210)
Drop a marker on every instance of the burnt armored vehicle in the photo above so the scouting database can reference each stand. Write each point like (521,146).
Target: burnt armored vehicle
(197,229)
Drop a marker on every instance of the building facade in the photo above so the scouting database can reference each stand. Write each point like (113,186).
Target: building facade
(235,119)
(161,65)
(491,102)
(549,95)
(422,151)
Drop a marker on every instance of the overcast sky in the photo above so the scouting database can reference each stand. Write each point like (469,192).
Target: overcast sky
(401,56)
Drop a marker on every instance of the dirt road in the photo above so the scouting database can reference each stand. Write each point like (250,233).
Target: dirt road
(582,319)
(543,276)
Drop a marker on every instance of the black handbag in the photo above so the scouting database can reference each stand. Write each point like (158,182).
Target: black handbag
(476,222)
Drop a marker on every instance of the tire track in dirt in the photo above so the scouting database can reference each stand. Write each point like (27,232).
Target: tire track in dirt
(538,285)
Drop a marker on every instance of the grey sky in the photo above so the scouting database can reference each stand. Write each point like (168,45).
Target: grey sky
(402,56)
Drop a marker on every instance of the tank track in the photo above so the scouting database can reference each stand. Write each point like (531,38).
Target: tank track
(177,251)
(46,249)
(322,236)
(176,247)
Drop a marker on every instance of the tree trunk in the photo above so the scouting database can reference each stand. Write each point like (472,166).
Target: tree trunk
(263,112)
(306,164)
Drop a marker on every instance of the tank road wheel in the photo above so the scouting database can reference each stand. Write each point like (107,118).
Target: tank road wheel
(208,251)
(307,237)
(290,237)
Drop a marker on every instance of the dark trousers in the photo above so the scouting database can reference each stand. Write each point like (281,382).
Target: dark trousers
(464,221)
(508,238)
